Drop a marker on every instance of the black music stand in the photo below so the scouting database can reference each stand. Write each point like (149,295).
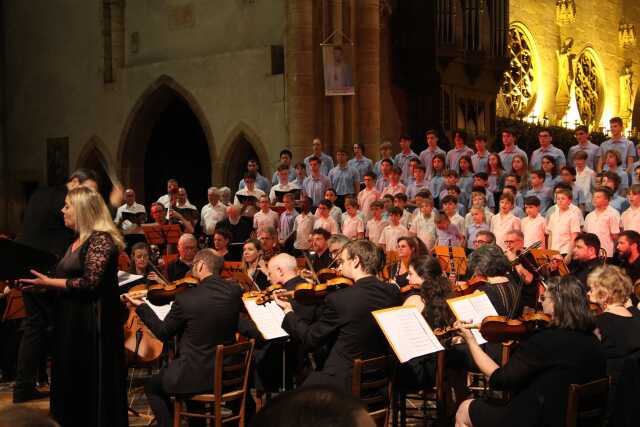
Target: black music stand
(19,259)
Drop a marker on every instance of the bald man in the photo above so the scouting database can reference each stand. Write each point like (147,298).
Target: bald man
(187,249)
(130,206)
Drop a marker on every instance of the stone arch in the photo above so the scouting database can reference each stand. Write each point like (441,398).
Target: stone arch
(139,126)
(241,144)
(95,155)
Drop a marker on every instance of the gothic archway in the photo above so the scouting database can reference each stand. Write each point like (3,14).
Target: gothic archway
(167,136)
(242,145)
(93,156)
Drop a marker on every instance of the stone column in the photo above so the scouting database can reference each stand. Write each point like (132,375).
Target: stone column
(368,73)
(337,102)
(299,77)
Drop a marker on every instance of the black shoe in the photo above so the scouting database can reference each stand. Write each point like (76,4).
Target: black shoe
(26,396)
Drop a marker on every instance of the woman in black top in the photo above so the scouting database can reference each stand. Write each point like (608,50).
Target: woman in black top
(254,265)
(539,373)
(434,290)
(408,248)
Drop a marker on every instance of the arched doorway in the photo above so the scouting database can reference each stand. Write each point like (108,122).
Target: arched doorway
(167,136)
(237,161)
(92,157)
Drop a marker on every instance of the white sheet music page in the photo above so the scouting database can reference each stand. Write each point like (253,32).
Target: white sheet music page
(124,278)
(267,317)
(473,308)
(160,310)
(407,332)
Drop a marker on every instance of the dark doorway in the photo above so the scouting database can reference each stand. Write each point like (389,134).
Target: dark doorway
(177,148)
(241,152)
(95,161)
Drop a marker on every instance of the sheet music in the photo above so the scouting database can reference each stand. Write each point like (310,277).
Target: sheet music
(407,332)
(473,308)
(267,317)
(125,278)
(160,310)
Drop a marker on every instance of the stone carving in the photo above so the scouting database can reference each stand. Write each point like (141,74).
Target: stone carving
(588,86)
(518,86)
(626,92)
(565,76)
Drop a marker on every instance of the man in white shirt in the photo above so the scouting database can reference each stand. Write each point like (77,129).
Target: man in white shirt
(213,212)
(585,176)
(130,206)
(368,195)
(603,221)
(265,217)
(283,185)
(172,193)
(249,189)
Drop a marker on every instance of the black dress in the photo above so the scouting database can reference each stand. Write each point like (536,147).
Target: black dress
(620,336)
(88,386)
(539,374)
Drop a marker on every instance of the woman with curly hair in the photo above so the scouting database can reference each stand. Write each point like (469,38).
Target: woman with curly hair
(435,289)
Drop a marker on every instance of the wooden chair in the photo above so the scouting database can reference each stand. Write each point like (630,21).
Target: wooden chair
(229,384)
(437,395)
(587,403)
(371,383)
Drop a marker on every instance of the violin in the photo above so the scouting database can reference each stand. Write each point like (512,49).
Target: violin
(305,293)
(501,329)
(163,294)
(466,287)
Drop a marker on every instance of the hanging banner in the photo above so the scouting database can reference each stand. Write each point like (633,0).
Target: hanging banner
(338,69)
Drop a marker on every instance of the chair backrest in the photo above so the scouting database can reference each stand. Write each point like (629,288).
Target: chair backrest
(232,370)
(587,403)
(371,383)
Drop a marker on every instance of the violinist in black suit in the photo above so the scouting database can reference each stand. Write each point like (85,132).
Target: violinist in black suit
(345,323)
(43,228)
(204,316)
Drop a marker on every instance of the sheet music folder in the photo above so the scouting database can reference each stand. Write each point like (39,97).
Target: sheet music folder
(407,332)
(267,317)
(473,308)
(18,259)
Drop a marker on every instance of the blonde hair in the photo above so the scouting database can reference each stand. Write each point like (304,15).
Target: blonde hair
(91,214)
(610,281)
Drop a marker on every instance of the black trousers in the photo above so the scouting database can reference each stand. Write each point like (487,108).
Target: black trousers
(160,402)
(36,330)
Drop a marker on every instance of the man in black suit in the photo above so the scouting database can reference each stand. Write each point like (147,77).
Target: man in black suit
(43,228)
(187,247)
(205,316)
(345,324)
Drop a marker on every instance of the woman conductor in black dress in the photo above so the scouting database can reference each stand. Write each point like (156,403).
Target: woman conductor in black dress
(540,371)
(88,386)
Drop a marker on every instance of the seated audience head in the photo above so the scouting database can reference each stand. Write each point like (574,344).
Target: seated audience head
(490,261)
(206,263)
(609,284)
(566,301)
(313,406)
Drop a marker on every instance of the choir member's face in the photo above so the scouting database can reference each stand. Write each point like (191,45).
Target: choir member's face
(317,146)
(249,252)
(563,201)
(432,140)
(213,197)
(172,187)
(369,182)
(480,144)
(141,258)
(157,213)
(582,137)
(357,150)
(182,196)
(405,144)
(544,138)
(288,202)
(129,197)
(314,166)
(69,214)
(507,139)
(283,176)
(285,159)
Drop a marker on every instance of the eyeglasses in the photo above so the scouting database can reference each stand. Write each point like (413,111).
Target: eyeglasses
(481,242)
(509,242)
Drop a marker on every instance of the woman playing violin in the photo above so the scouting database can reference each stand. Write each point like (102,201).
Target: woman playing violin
(540,371)
(425,273)
(253,263)
(408,248)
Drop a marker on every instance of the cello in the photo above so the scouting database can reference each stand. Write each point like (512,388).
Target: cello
(139,343)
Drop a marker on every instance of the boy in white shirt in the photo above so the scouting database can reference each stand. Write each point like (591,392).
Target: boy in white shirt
(504,221)
(478,200)
(352,224)
(283,186)
(376,224)
(534,226)
(395,186)
(563,224)
(400,202)
(423,225)
(324,219)
(603,221)
(631,217)
(303,226)
(368,195)
(450,209)
(478,224)
(265,217)
(392,232)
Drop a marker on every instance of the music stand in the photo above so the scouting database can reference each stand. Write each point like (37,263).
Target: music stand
(19,259)
(229,268)
(167,234)
(459,259)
